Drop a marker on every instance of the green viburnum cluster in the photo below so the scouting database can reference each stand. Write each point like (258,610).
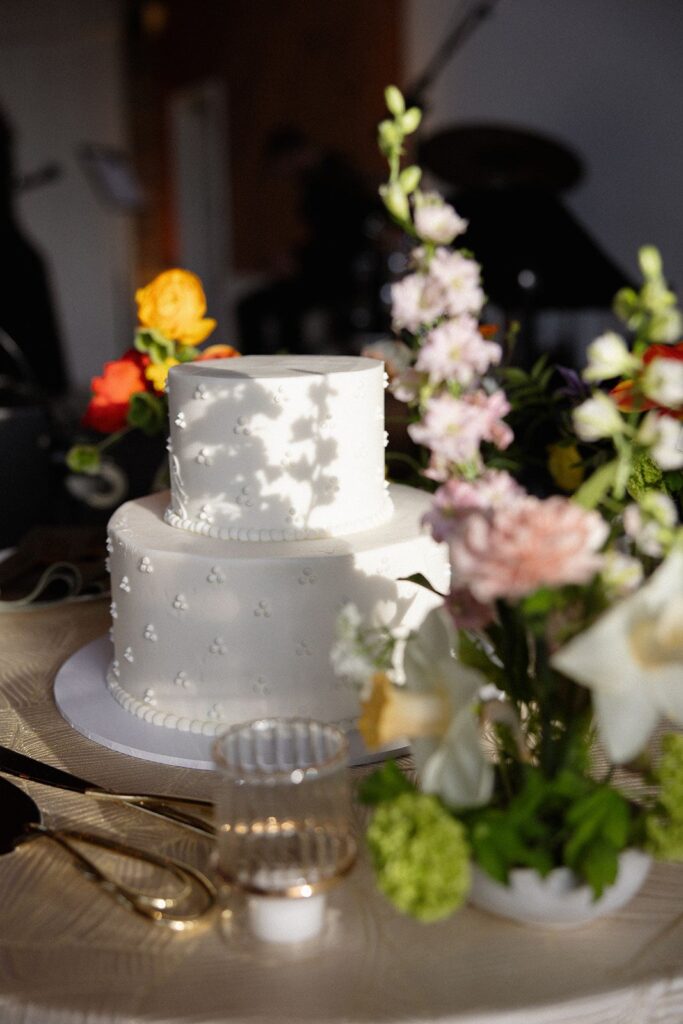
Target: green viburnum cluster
(665,824)
(421,856)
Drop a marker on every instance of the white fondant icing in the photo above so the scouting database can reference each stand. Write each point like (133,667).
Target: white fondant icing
(277,632)
(301,436)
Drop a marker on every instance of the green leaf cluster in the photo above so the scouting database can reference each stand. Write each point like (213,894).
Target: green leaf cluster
(386,783)
(549,822)
(147,412)
(153,343)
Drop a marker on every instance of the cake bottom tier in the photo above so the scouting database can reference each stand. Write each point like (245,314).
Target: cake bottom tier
(210,632)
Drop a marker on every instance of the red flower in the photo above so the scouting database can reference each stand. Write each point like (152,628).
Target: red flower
(122,378)
(628,396)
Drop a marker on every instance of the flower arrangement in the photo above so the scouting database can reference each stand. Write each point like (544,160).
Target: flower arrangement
(131,391)
(564,621)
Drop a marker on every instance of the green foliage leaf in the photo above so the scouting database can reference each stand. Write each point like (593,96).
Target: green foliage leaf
(568,819)
(147,412)
(84,458)
(186,353)
(154,344)
(386,783)
(596,487)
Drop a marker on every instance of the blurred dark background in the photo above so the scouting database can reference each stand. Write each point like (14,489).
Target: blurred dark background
(211,134)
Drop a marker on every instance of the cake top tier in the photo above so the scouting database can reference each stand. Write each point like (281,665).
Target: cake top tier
(277,447)
(269,367)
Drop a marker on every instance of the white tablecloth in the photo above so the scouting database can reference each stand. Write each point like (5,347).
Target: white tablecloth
(68,954)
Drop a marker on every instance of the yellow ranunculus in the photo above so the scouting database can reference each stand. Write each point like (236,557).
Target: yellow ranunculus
(564,465)
(174,303)
(158,372)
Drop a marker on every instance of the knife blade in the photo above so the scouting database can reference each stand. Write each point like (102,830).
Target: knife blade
(21,766)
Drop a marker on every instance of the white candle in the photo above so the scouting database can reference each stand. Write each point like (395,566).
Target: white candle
(282,919)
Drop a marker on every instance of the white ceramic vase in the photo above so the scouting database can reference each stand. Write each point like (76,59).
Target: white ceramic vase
(559,900)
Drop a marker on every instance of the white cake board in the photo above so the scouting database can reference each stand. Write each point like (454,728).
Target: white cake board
(83,699)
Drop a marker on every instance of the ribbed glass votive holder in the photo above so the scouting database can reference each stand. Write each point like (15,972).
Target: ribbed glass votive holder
(284,823)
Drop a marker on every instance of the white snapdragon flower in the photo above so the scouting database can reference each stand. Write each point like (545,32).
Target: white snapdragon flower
(632,661)
(621,574)
(651,523)
(663,382)
(435,220)
(608,357)
(350,656)
(597,417)
(663,435)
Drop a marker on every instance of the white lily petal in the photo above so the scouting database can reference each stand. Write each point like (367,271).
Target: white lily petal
(455,768)
(632,660)
(626,722)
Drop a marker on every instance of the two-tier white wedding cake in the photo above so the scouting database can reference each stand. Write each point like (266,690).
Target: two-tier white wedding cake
(225,595)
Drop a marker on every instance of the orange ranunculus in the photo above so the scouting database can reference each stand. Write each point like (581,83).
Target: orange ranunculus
(112,392)
(174,304)
(217,352)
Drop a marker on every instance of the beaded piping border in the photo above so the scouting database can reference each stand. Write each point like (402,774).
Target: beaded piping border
(289,533)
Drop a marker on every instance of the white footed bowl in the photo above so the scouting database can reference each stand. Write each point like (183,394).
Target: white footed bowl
(558,900)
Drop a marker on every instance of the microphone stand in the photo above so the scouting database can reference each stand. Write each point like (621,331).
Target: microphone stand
(462,29)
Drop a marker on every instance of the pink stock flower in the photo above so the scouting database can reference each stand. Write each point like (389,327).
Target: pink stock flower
(456,499)
(455,350)
(525,544)
(459,278)
(416,299)
(453,428)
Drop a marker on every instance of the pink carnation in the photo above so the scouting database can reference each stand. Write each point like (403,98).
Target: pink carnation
(526,544)
(455,350)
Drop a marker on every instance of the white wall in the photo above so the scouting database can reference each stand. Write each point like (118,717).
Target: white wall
(605,76)
(61,84)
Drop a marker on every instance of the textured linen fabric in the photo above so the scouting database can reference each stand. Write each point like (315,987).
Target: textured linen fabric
(69,955)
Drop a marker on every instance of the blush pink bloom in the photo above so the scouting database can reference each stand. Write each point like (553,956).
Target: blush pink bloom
(459,277)
(526,544)
(453,428)
(455,350)
(416,300)
(456,499)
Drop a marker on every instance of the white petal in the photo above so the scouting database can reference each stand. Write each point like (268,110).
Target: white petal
(625,722)
(456,769)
